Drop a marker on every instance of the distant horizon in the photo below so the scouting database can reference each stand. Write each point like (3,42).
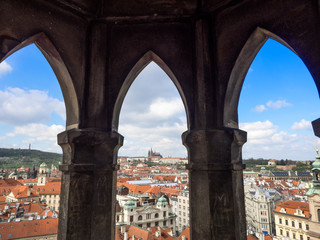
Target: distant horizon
(125,156)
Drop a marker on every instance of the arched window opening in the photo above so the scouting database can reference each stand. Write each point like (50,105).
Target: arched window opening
(152,159)
(278,101)
(32,114)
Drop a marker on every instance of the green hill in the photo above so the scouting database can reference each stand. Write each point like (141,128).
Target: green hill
(14,158)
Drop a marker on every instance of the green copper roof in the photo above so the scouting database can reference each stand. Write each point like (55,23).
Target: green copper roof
(162,201)
(313,191)
(316,164)
(43,165)
(316,181)
(129,204)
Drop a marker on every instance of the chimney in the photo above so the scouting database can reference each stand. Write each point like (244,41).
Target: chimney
(28,193)
(123,229)
(125,237)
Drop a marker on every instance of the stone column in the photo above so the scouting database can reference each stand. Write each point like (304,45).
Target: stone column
(316,127)
(216,184)
(87,203)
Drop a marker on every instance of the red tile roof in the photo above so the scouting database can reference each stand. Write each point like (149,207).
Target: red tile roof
(20,192)
(186,233)
(9,183)
(251,237)
(292,206)
(51,188)
(25,229)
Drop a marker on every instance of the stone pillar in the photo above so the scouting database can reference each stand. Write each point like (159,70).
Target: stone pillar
(87,203)
(316,127)
(216,184)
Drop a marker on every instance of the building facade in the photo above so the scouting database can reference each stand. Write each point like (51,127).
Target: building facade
(146,216)
(291,219)
(314,201)
(183,211)
(260,204)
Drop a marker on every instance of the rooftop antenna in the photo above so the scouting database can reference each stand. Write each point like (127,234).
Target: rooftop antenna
(29,146)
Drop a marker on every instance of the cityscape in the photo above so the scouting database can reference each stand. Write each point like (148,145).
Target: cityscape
(282,199)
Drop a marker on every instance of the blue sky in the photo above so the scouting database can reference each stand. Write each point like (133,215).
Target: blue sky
(277,103)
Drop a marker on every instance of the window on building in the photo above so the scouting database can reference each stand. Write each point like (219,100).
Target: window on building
(307,227)
(286,222)
(148,224)
(308,238)
(171,221)
(156,215)
(318,211)
(118,218)
(287,234)
(140,225)
(164,214)
(281,232)
(156,223)
(280,220)
(131,218)
(301,237)
(164,223)
(300,225)
(294,235)
(139,218)
(293,224)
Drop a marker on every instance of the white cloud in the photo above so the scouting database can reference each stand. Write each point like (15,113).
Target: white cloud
(265,133)
(152,115)
(267,141)
(278,104)
(20,107)
(164,138)
(5,68)
(260,108)
(302,125)
(37,132)
(164,108)
(259,132)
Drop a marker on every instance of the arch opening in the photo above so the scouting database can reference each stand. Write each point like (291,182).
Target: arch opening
(278,101)
(147,58)
(32,114)
(152,159)
(58,66)
(241,67)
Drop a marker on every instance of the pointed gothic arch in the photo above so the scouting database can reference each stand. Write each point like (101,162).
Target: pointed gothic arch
(53,57)
(148,57)
(248,53)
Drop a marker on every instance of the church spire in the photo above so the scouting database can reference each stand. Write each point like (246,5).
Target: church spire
(316,176)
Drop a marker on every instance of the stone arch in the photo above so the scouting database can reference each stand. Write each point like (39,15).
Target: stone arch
(135,71)
(54,59)
(248,53)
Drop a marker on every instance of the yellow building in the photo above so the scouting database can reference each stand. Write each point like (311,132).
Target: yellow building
(314,201)
(50,192)
(292,220)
